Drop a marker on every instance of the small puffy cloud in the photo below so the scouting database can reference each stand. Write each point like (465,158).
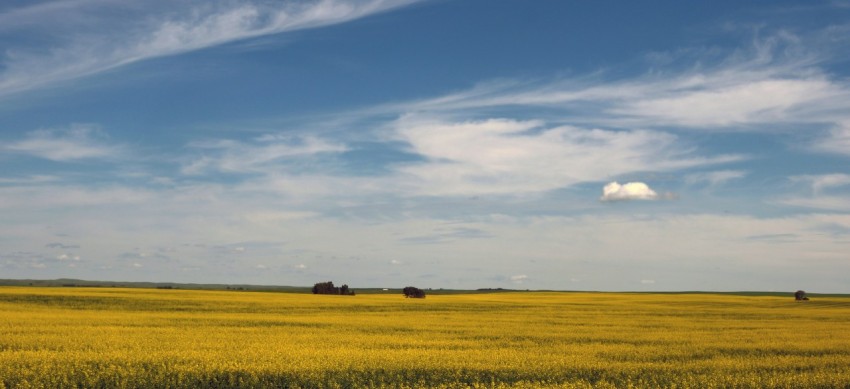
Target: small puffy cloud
(629,191)
(300,266)
(647,282)
(519,278)
(67,257)
(395,262)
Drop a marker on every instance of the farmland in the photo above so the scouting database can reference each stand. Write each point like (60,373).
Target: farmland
(114,337)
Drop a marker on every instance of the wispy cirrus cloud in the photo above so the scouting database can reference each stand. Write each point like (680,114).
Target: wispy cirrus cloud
(449,158)
(714,178)
(80,142)
(775,82)
(516,136)
(258,155)
(836,140)
(822,202)
(60,41)
(57,197)
(29,180)
(825,192)
(820,182)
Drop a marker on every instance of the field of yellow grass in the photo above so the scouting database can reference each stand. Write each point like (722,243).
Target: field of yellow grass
(112,337)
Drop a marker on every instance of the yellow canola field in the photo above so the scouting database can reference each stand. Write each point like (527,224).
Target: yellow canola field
(139,338)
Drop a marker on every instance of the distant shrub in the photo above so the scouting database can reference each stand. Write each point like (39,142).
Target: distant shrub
(800,296)
(329,288)
(413,292)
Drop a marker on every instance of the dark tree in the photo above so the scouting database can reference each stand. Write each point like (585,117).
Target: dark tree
(413,292)
(344,290)
(325,288)
(329,288)
(800,296)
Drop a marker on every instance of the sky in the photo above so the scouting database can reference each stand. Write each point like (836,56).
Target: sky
(569,145)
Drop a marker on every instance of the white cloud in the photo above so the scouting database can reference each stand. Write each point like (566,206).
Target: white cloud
(585,246)
(77,143)
(820,182)
(459,158)
(519,278)
(305,187)
(774,84)
(630,191)
(504,156)
(30,180)
(197,166)
(836,141)
(711,104)
(67,257)
(92,36)
(714,178)
(647,282)
(831,203)
(51,197)
(272,217)
(264,153)
(822,192)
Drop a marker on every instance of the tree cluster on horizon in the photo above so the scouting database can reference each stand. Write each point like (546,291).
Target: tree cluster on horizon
(329,288)
(413,292)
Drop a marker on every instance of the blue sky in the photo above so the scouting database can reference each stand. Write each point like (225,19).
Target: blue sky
(458,144)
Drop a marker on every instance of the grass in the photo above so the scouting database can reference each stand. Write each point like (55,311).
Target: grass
(114,337)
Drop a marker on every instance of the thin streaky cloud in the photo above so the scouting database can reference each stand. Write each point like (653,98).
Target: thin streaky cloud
(746,91)
(198,26)
(76,143)
(28,180)
(823,203)
(714,178)
(819,182)
(266,153)
(835,141)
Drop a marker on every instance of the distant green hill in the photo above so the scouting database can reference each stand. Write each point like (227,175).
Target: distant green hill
(69,282)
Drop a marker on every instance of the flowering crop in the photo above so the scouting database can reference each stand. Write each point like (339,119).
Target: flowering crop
(112,337)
